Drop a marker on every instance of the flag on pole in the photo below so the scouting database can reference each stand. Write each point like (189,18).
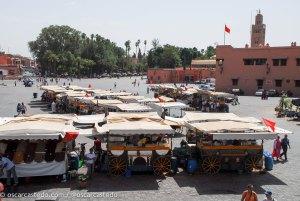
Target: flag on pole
(269,123)
(227,29)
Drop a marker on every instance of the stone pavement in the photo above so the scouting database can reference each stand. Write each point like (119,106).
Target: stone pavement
(284,180)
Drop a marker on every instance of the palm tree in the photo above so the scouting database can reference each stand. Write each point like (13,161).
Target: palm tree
(155,43)
(137,45)
(127,47)
(145,44)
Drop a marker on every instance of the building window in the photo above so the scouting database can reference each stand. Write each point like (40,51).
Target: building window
(259,83)
(235,82)
(279,62)
(275,62)
(260,61)
(297,83)
(278,83)
(248,62)
(298,61)
(283,62)
(255,61)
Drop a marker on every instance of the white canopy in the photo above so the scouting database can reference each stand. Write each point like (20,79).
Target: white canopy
(53,88)
(228,126)
(138,128)
(170,105)
(245,136)
(194,116)
(133,107)
(36,127)
(130,98)
(135,124)
(90,119)
(106,102)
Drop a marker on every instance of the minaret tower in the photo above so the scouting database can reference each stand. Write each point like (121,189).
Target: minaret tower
(258,31)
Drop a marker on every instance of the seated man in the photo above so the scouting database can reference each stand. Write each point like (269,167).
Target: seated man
(142,142)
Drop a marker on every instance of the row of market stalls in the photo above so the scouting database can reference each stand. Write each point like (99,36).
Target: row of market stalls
(136,141)
(94,101)
(192,95)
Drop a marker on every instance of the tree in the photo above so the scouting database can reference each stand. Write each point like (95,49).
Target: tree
(137,45)
(170,57)
(64,50)
(155,43)
(140,56)
(127,45)
(210,52)
(145,44)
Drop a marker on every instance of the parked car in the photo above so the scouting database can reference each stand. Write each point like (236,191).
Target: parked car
(28,82)
(238,92)
(272,93)
(259,92)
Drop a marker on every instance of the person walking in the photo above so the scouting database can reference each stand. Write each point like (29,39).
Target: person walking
(276,148)
(90,161)
(10,168)
(285,143)
(23,108)
(249,194)
(269,196)
(19,108)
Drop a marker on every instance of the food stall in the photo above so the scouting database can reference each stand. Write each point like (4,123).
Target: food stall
(137,142)
(37,144)
(224,141)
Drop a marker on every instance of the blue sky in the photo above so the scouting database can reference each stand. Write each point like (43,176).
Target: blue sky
(189,23)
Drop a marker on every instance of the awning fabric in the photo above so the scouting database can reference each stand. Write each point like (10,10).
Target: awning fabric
(36,127)
(138,128)
(244,136)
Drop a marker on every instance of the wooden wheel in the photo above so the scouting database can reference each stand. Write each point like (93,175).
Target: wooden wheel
(253,163)
(161,165)
(117,166)
(211,165)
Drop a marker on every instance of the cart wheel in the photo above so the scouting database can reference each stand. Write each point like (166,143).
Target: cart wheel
(117,166)
(162,165)
(211,165)
(253,163)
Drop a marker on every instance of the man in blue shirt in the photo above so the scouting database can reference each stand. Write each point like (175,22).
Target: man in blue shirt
(285,143)
(10,168)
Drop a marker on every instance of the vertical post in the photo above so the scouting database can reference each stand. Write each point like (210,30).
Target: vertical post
(224,33)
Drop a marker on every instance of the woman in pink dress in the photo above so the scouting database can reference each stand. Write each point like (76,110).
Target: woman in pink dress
(276,148)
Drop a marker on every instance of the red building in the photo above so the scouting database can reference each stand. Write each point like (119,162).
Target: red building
(13,65)
(179,75)
(259,66)
(265,67)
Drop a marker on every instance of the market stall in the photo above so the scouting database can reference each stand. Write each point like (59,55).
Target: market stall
(37,144)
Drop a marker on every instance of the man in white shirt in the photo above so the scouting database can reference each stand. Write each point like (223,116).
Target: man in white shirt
(10,168)
(90,161)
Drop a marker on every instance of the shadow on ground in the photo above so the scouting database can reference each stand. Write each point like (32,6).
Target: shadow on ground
(226,183)
(223,183)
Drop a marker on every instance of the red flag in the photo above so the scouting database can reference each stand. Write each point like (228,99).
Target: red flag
(269,123)
(227,29)
(70,136)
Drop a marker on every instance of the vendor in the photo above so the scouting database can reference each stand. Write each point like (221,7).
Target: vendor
(97,145)
(90,161)
(10,168)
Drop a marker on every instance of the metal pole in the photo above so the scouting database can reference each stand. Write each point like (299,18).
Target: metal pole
(224,34)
